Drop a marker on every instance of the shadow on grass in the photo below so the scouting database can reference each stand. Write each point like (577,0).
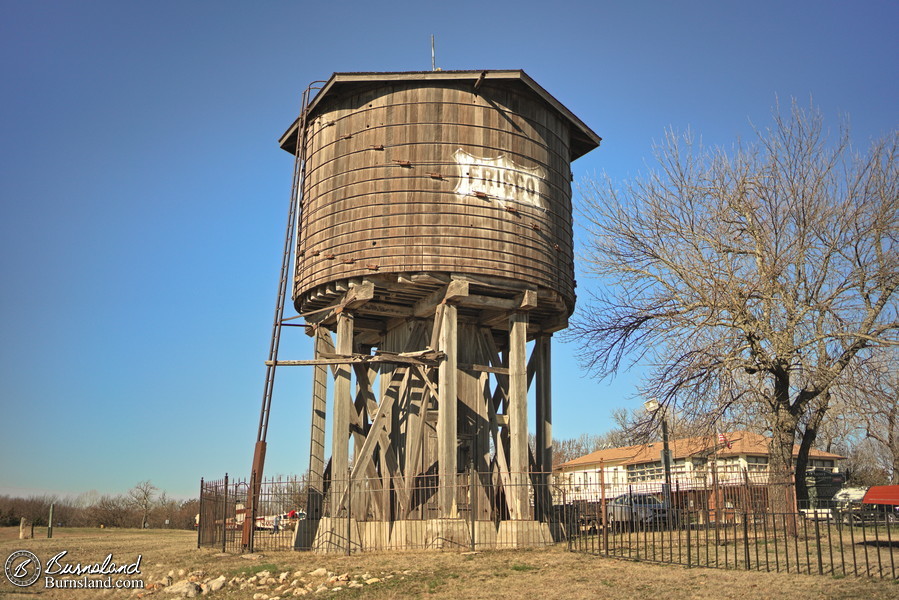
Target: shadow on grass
(879,544)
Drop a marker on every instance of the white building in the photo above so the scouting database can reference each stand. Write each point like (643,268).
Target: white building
(697,463)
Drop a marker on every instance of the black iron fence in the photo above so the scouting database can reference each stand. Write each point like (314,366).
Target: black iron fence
(480,510)
(789,542)
(732,520)
(229,521)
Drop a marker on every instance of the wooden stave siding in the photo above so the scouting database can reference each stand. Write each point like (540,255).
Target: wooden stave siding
(355,194)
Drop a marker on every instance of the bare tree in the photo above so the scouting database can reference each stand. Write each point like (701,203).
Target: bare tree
(142,498)
(865,464)
(110,511)
(873,399)
(748,279)
(91,510)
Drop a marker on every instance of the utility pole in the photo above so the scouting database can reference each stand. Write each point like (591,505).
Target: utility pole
(652,405)
(666,461)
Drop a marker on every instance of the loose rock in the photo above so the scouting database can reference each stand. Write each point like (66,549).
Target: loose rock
(186,589)
(215,585)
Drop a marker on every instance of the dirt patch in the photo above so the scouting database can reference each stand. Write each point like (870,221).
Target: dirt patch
(511,574)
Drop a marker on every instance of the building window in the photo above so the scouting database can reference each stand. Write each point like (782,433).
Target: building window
(756,463)
(653,471)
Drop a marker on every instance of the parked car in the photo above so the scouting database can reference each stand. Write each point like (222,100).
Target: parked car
(860,514)
(883,502)
(279,522)
(636,511)
(858,506)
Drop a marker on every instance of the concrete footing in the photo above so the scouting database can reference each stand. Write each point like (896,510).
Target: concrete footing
(332,535)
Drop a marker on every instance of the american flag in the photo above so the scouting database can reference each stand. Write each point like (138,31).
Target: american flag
(722,439)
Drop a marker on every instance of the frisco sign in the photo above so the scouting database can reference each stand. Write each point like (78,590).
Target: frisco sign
(499,178)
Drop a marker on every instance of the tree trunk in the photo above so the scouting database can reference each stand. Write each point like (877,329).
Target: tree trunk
(893,442)
(780,463)
(808,438)
(809,435)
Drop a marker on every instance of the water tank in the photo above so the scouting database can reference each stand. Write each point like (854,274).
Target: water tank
(426,176)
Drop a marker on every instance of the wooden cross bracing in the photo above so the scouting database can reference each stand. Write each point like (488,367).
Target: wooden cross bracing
(437,382)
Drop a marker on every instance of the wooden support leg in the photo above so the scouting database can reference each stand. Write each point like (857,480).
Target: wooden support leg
(544,404)
(518,415)
(473,423)
(317,441)
(343,404)
(446,416)
(544,450)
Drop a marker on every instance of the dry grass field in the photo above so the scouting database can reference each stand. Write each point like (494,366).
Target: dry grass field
(513,574)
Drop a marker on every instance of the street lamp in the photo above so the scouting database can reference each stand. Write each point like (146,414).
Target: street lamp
(652,406)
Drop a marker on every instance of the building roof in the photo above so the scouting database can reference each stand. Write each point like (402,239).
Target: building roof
(583,139)
(882,494)
(741,442)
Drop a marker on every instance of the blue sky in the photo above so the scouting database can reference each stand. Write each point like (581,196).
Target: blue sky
(144,194)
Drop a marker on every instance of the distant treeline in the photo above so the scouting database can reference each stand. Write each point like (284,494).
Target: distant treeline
(93,510)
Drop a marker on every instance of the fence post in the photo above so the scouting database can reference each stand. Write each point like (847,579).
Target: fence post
(718,504)
(472,478)
(349,511)
(225,515)
(200,515)
(253,508)
(602,503)
(50,523)
(818,543)
(687,528)
(746,538)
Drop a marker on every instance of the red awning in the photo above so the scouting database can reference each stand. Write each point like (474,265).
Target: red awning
(882,494)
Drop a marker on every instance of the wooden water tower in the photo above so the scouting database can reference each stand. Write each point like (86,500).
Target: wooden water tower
(434,241)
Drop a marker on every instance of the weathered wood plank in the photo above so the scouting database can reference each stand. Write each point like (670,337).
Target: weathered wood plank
(454,290)
(318,425)
(342,412)
(544,429)
(447,413)
(484,368)
(355,359)
(518,415)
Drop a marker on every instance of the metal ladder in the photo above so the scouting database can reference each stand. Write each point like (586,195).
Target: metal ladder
(294,216)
